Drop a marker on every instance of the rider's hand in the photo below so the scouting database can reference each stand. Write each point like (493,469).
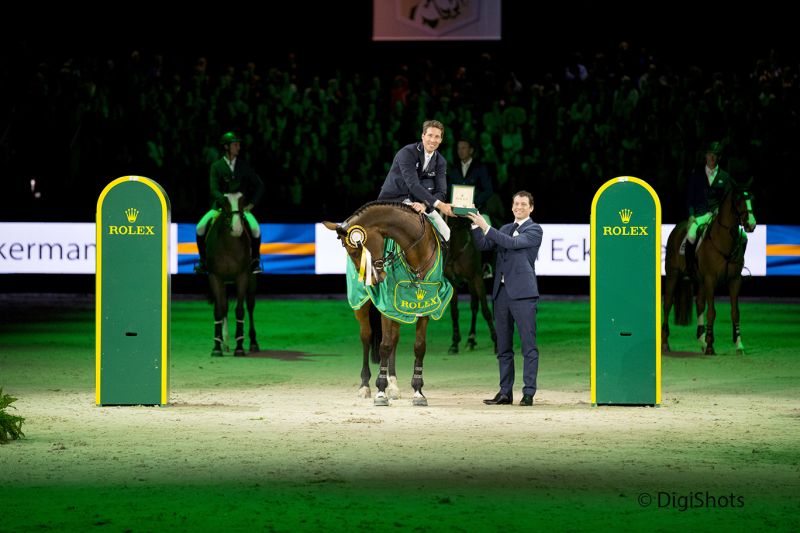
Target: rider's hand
(418,207)
(445,208)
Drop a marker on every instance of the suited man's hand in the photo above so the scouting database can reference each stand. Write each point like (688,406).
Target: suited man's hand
(478,220)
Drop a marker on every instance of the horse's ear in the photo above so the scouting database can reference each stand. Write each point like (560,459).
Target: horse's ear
(331,225)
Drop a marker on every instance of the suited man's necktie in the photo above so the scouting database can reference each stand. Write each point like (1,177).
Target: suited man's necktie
(514,228)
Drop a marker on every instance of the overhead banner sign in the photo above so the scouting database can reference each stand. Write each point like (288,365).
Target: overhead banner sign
(431,20)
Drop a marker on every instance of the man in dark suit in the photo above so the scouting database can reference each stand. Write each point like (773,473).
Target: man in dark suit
(468,171)
(231,174)
(471,172)
(418,176)
(516,294)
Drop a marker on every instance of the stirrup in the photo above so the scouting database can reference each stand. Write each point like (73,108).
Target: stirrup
(256,266)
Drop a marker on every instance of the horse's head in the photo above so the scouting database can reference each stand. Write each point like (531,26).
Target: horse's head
(232,211)
(742,205)
(364,245)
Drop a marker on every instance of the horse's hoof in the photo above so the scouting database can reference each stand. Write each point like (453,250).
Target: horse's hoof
(472,345)
(364,392)
(254,347)
(419,399)
(381,401)
(710,350)
(453,349)
(665,348)
(239,352)
(216,353)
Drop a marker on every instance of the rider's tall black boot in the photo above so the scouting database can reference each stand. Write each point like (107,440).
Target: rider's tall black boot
(256,254)
(200,267)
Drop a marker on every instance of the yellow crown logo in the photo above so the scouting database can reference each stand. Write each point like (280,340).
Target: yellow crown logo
(420,293)
(131,214)
(625,215)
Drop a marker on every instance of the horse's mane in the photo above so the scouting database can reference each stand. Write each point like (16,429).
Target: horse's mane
(377,203)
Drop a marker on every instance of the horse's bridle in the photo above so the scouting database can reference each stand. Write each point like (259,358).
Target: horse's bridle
(389,259)
(738,213)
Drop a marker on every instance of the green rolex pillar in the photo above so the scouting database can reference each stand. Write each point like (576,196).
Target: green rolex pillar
(626,294)
(132,293)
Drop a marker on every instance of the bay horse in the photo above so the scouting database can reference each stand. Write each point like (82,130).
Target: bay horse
(228,252)
(364,231)
(719,259)
(464,265)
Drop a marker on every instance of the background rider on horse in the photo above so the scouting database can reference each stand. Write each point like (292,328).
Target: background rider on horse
(705,191)
(231,174)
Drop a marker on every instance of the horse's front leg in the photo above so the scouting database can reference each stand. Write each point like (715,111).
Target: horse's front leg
(734,286)
(365,333)
(709,283)
(700,301)
(220,310)
(454,317)
(241,294)
(420,345)
(392,390)
(389,338)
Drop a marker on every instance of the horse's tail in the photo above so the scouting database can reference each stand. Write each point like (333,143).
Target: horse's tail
(376,336)
(683,301)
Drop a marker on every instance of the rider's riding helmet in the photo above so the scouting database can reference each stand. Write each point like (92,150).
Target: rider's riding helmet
(714,148)
(229,138)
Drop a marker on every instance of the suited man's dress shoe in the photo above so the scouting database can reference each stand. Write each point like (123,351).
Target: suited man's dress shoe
(500,399)
(527,400)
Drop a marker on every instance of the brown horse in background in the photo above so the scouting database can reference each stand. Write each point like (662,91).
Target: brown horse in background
(366,229)
(719,259)
(228,251)
(464,265)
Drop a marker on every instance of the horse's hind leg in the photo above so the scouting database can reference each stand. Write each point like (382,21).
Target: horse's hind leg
(420,345)
(473,307)
(708,289)
(734,286)
(454,316)
(669,288)
(251,305)
(701,315)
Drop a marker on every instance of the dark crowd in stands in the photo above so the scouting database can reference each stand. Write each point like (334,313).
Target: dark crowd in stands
(323,137)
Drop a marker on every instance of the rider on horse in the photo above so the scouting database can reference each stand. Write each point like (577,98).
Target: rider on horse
(705,192)
(418,177)
(231,174)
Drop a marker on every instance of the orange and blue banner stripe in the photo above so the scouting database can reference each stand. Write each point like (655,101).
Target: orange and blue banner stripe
(285,248)
(783,250)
